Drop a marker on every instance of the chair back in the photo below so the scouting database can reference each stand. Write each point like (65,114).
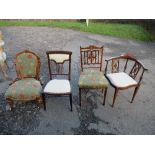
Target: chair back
(91,57)
(57,62)
(27,65)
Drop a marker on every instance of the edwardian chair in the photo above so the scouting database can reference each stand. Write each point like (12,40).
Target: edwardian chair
(27,85)
(125,72)
(59,63)
(92,76)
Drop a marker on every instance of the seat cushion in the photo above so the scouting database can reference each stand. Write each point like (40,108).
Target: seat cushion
(25,89)
(92,79)
(58,86)
(121,79)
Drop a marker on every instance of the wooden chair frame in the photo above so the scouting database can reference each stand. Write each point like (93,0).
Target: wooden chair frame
(91,57)
(133,73)
(38,100)
(60,73)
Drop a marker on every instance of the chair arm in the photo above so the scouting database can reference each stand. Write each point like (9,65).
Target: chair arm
(141,77)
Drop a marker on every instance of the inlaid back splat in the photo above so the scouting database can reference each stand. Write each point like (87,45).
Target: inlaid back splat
(91,56)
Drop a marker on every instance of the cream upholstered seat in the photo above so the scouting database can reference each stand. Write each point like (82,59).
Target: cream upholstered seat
(59,64)
(121,79)
(124,72)
(58,86)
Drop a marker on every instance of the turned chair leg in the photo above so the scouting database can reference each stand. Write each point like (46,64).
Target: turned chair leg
(10,102)
(115,95)
(105,94)
(80,96)
(70,96)
(6,64)
(44,101)
(135,92)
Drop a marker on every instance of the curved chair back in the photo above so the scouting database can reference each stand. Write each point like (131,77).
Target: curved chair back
(27,65)
(131,64)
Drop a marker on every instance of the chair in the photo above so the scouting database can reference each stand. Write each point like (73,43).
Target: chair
(125,72)
(27,85)
(92,76)
(59,63)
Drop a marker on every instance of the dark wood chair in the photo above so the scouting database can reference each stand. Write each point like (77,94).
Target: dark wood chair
(92,76)
(27,85)
(124,72)
(59,63)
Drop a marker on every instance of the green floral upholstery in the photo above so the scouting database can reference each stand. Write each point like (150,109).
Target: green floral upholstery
(26,65)
(25,89)
(92,79)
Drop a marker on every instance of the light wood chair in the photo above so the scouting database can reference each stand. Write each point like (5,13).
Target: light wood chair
(27,85)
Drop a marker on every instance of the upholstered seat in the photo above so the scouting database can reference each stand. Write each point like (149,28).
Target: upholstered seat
(25,89)
(92,79)
(127,75)
(59,63)
(121,79)
(58,86)
(27,85)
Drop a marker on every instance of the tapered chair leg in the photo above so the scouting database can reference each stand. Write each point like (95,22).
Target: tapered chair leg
(135,92)
(70,96)
(44,101)
(80,96)
(105,94)
(115,95)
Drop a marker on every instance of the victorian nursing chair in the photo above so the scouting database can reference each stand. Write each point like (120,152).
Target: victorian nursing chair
(59,63)
(92,76)
(27,85)
(125,72)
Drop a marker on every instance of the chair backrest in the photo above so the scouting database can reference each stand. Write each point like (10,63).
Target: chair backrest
(135,65)
(56,63)
(27,65)
(91,57)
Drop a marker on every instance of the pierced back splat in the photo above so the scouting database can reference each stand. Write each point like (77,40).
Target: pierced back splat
(91,57)
(115,65)
(135,69)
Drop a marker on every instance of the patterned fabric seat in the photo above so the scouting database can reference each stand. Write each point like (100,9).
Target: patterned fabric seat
(92,79)
(92,76)
(27,85)
(25,89)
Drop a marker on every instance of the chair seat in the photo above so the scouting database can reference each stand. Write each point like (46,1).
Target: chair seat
(25,89)
(121,79)
(58,86)
(92,79)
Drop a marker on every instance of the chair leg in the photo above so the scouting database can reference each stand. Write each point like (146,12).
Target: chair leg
(6,64)
(44,101)
(70,96)
(135,92)
(105,94)
(115,95)
(80,96)
(4,70)
(10,102)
